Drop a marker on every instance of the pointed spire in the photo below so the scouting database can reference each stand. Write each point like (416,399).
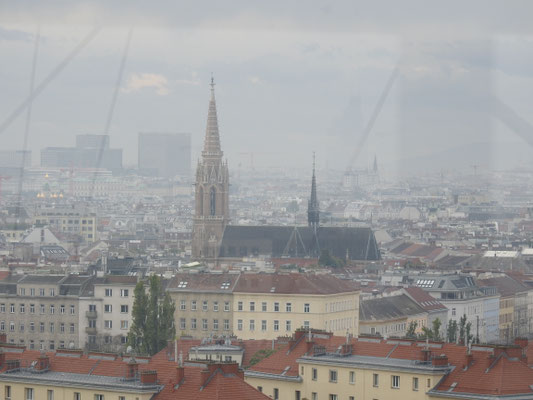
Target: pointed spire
(313,212)
(212,137)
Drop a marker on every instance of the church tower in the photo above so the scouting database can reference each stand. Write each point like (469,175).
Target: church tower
(313,211)
(211,191)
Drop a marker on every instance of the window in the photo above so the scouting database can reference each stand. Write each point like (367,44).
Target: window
(61,344)
(41,327)
(193,323)
(226,306)
(92,307)
(333,397)
(204,324)
(41,292)
(108,308)
(123,324)
(52,327)
(72,309)
(264,306)
(62,309)
(297,395)
(351,397)
(226,324)
(263,325)
(193,305)
(306,325)
(415,384)
(276,325)
(62,327)
(124,308)
(288,307)
(42,308)
(72,329)
(2,326)
(453,312)
(252,306)
(99,397)
(32,308)
(7,392)
(252,325)
(32,326)
(183,323)
(276,394)
(52,292)
(215,324)
(50,395)
(29,393)
(183,305)
(429,382)
(314,396)
(276,306)
(32,345)
(239,306)
(288,326)
(92,324)
(77,396)
(121,397)
(108,324)
(22,292)
(12,308)
(395,381)
(352,377)
(204,305)
(108,292)
(333,375)
(22,308)
(375,380)
(2,308)
(21,327)
(307,307)
(239,324)
(124,292)
(314,374)
(215,306)
(52,309)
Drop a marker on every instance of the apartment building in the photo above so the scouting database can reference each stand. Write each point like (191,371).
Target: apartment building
(203,303)
(262,306)
(270,305)
(73,375)
(106,314)
(73,220)
(42,311)
(317,365)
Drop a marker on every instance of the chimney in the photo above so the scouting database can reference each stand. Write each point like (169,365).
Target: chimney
(43,363)
(521,341)
(425,355)
(132,369)
(204,376)
(148,377)
(232,368)
(439,361)
(180,374)
(469,358)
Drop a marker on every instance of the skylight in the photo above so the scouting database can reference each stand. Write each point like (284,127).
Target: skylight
(182,284)
(225,285)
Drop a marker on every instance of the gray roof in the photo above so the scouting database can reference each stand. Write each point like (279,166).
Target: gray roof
(279,241)
(385,308)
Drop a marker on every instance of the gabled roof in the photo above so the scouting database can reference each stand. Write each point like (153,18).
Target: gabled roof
(388,308)
(505,285)
(203,282)
(424,299)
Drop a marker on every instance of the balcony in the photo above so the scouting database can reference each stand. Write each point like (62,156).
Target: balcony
(90,331)
(91,314)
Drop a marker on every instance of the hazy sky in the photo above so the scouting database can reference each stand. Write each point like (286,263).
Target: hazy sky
(292,77)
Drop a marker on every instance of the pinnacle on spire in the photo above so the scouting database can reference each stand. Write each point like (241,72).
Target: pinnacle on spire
(212,137)
(313,211)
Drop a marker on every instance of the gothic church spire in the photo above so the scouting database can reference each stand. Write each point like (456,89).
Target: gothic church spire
(212,138)
(313,211)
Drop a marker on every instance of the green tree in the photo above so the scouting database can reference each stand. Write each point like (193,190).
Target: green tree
(436,324)
(462,329)
(451,332)
(411,330)
(153,318)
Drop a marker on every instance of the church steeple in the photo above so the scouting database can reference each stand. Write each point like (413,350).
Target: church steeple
(313,210)
(212,138)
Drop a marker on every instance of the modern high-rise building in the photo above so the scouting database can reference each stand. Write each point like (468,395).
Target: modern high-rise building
(165,154)
(15,159)
(91,151)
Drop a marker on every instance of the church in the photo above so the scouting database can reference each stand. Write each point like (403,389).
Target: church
(215,240)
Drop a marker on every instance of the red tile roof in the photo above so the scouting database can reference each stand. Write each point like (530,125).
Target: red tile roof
(424,299)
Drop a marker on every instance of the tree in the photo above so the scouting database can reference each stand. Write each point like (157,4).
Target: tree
(436,329)
(153,318)
(451,332)
(327,260)
(462,329)
(411,330)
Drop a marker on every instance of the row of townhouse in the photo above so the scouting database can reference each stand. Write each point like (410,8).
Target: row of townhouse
(46,312)
(318,365)
(262,306)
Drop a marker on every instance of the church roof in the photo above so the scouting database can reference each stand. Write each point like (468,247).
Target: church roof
(283,241)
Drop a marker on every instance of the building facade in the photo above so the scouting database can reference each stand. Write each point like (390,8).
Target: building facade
(165,154)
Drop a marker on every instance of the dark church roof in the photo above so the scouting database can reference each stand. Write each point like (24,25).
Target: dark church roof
(290,241)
